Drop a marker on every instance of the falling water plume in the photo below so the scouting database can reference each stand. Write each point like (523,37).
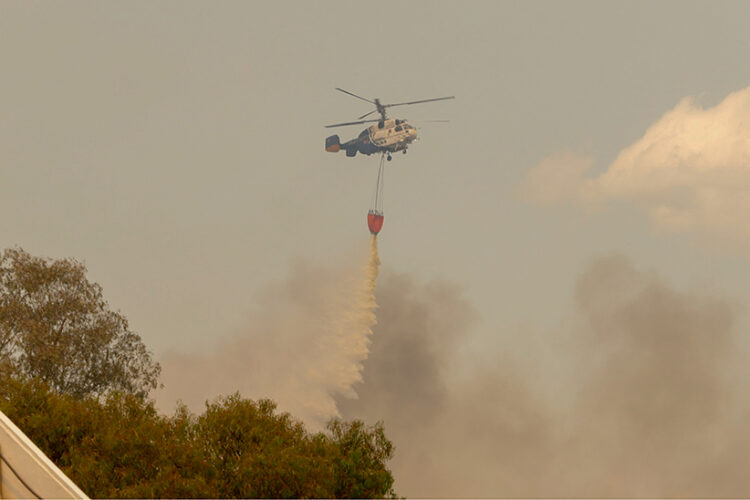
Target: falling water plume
(305,347)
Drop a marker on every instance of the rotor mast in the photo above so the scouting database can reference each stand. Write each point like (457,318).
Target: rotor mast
(380,109)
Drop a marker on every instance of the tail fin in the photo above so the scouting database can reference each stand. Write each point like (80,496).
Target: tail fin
(332,144)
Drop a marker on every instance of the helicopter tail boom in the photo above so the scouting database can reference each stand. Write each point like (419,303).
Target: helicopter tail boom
(332,144)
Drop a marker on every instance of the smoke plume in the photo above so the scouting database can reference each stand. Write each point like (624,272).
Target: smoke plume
(647,404)
(305,346)
(649,383)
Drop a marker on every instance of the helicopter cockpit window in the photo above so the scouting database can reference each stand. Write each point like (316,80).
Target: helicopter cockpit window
(398,129)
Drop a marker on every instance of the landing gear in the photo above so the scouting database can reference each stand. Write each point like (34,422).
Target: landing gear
(389,157)
(404,151)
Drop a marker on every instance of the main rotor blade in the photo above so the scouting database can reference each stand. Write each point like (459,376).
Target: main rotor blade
(354,95)
(418,102)
(367,114)
(350,123)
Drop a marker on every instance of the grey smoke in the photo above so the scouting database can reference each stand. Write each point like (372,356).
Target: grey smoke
(649,410)
(649,384)
(405,370)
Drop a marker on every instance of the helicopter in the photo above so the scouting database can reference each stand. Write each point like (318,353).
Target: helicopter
(387,136)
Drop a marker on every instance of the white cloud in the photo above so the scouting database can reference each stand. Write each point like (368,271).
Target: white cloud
(689,171)
(556,179)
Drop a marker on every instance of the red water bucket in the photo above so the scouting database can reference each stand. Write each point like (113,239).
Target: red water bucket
(375,221)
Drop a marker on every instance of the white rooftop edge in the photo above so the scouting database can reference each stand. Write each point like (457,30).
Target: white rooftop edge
(26,472)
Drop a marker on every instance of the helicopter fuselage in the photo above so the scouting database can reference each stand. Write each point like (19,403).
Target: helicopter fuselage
(386,136)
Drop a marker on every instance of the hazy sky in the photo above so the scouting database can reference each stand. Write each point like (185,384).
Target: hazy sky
(177,149)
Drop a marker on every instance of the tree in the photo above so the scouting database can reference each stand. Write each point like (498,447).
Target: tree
(74,378)
(120,447)
(359,463)
(260,454)
(56,326)
(117,446)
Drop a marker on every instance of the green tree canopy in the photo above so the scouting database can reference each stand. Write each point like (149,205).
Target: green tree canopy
(74,378)
(120,447)
(56,326)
